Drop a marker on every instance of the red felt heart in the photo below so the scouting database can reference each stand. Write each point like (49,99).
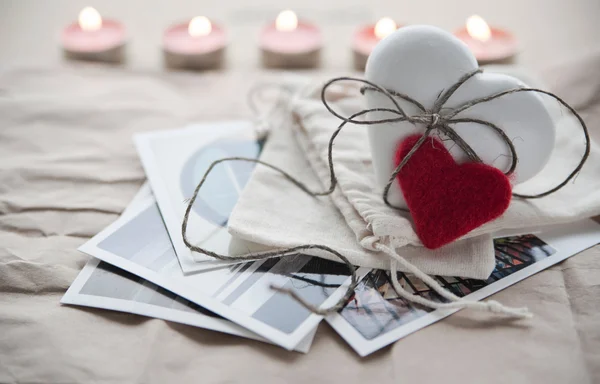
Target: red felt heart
(445,199)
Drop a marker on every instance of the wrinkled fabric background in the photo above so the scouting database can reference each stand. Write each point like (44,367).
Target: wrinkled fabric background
(68,168)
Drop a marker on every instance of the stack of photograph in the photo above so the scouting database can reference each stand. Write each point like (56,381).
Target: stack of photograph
(140,264)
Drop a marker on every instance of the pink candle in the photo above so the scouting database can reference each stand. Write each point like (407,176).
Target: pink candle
(91,38)
(290,43)
(489,45)
(197,44)
(367,37)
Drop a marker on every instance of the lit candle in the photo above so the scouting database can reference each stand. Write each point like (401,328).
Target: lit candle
(197,44)
(488,44)
(290,43)
(92,38)
(423,61)
(367,37)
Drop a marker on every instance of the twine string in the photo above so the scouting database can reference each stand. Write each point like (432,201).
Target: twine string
(254,256)
(443,122)
(433,119)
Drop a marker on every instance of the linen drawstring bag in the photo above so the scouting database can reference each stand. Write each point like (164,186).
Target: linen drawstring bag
(380,229)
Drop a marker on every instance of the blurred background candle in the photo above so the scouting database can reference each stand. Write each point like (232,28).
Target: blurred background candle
(92,38)
(488,44)
(367,37)
(290,43)
(197,44)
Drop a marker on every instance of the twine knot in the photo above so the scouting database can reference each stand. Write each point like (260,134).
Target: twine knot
(494,306)
(431,119)
(497,308)
(435,118)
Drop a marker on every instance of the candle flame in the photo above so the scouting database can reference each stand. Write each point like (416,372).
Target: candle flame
(478,29)
(384,27)
(286,21)
(89,19)
(199,26)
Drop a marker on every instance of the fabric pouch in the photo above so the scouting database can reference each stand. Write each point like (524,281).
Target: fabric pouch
(274,212)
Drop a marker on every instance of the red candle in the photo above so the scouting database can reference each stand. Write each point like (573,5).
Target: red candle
(367,37)
(92,38)
(488,44)
(197,44)
(290,43)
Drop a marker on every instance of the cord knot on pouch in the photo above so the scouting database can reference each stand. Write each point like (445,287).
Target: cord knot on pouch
(498,308)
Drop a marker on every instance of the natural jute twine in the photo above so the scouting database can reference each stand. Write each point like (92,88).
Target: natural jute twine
(438,118)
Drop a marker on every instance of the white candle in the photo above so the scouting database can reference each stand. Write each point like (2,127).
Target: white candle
(197,44)
(92,38)
(422,61)
(367,37)
(290,43)
(488,44)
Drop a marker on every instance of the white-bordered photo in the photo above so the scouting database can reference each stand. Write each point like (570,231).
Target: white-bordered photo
(176,160)
(105,286)
(102,285)
(377,316)
(139,243)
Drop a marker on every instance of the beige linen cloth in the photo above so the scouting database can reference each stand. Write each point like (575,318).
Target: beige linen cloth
(68,168)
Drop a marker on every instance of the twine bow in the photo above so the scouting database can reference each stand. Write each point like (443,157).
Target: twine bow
(441,118)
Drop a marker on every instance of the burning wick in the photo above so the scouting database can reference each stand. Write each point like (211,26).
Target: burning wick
(488,44)
(478,29)
(89,19)
(384,27)
(286,21)
(199,26)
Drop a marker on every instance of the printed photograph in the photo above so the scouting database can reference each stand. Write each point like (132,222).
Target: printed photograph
(143,240)
(112,282)
(377,309)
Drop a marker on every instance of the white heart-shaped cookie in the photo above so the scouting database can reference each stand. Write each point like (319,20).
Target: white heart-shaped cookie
(422,62)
